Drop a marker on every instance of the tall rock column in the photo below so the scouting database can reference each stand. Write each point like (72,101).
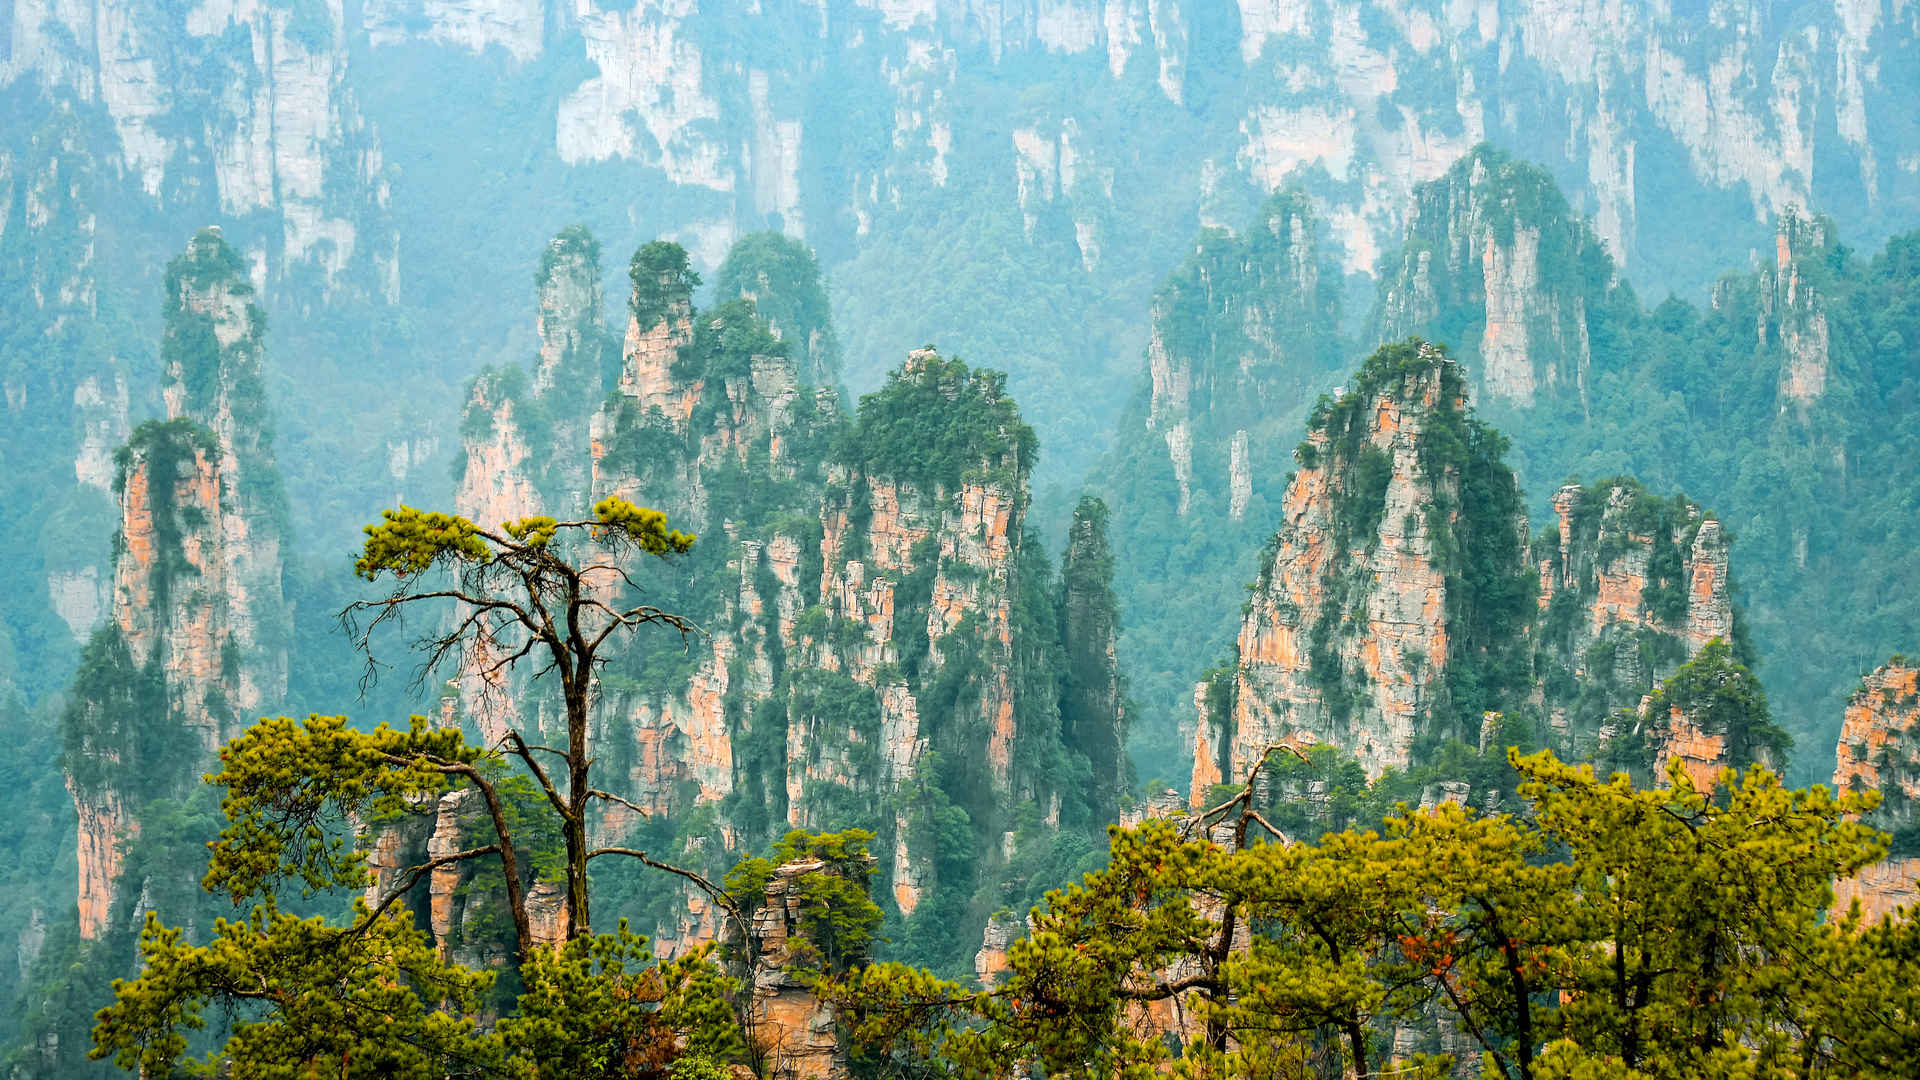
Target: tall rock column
(1364,613)
(1879,750)
(213,353)
(197,643)
(1632,586)
(1093,712)
(1497,262)
(1792,313)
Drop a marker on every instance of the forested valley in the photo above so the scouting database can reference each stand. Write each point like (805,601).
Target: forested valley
(842,540)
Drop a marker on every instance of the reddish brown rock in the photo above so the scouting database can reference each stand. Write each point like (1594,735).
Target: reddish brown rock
(1879,750)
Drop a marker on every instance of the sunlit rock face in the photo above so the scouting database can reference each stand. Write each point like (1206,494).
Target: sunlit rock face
(196,639)
(1879,750)
(1349,633)
(877,629)
(1632,585)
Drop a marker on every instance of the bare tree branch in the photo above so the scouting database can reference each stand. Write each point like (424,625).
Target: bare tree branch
(719,895)
(596,793)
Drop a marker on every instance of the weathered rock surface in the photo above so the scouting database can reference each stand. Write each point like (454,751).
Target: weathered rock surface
(793,1024)
(1632,586)
(1349,634)
(196,646)
(1494,238)
(1792,313)
(1879,750)
(865,616)
(1362,618)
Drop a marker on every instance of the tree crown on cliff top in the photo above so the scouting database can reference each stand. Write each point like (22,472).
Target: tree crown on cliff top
(662,276)
(936,421)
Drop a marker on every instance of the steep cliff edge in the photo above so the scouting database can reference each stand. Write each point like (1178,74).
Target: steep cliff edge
(1879,750)
(1385,609)
(1496,263)
(1241,338)
(1632,586)
(197,642)
(883,642)
(1399,616)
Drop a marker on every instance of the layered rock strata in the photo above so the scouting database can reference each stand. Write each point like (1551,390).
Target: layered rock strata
(1879,750)
(196,645)
(1355,621)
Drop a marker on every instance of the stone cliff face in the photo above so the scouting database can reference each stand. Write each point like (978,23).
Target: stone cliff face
(794,1027)
(882,638)
(1240,334)
(1792,313)
(1398,606)
(1631,587)
(196,646)
(1879,751)
(1094,708)
(1497,262)
(1356,621)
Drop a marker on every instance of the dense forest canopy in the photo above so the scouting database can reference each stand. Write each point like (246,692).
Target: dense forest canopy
(826,540)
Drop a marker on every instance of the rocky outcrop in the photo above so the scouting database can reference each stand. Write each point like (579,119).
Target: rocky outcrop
(880,636)
(1239,335)
(782,278)
(1495,251)
(1632,586)
(196,645)
(1360,613)
(1879,751)
(792,1024)
(1792,313)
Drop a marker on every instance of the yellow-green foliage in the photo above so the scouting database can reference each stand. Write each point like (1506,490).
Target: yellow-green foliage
(311,1001)
(641,525)
(409,542)
(604,1007)
(290,784)
(1600,930)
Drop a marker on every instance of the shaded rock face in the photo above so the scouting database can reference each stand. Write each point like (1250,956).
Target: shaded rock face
(1791,312)
(1094,707)
(196,643)
(1879,750)
(1632,585)
(1353,624)
(1238,334)
(1498,262)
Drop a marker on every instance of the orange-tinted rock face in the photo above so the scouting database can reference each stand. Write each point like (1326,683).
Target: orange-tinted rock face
(1632,578)
(794,1026)
(1701,753)
(196,596)
(104,821)
(1391,639)
(496,484)
(1879,751)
